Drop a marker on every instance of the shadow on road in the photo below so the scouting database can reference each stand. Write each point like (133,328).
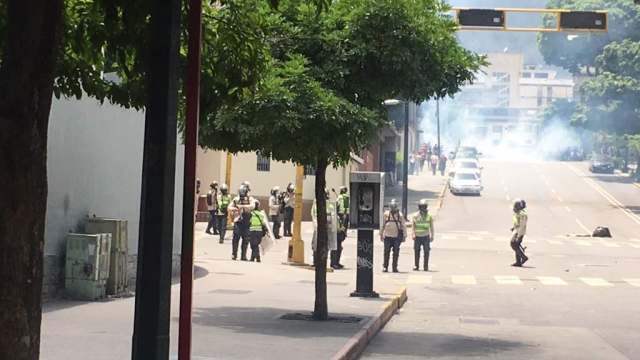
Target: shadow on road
(441,345)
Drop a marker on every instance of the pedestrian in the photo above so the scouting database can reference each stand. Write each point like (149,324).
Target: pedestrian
(412,164)
(289,205)
(258,228)
(442,164)
(422,223)
(423,159)
(392,233)
(342,206)
(241,208)
(212,207)
(274,210)
(434,163)
(519,230)
(223,211)
(332,229)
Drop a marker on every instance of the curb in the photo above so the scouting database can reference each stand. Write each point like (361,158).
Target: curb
(359,341)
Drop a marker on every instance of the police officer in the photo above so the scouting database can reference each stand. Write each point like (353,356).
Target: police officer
(518,230)
(241,207)
(223,210)
(422,234)
(289,204)
(393,232)
(257,229)
(274,210)
(332,230)
(342,207)
(212,207)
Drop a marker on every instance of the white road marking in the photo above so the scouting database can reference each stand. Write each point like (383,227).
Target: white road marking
(635,240)
(551,280)
(448,236)
(636,246)
(583,243)
(508,280)
(567,208)
(419,279)
(582,226)
(610,244)
(475,238)
(463,279)
(596,282)
(633,282)
(554,242)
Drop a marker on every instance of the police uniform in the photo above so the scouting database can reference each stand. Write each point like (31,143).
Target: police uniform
(343,225)
(289,205)
(212,207)
(520,219)
(393,233)
(223,212)
(257,229)
(423,235)
(241,208)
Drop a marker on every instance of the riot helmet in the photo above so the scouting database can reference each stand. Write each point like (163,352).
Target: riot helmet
(519,205)
(423,206)
(224,189)
(243,191)
(275,191)
(291,188)
(393,206)
(214,185)
(343,190)
(257,205)
(247,185)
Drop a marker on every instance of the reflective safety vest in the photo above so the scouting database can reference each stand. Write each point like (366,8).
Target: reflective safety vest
(223,203)
(343,204)
(422,225)
(255,224)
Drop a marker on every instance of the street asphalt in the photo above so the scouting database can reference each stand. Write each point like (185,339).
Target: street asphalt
(576,298)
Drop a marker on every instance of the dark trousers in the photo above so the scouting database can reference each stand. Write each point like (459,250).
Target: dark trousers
(255,238)
(434,168)
(275,219)
(288,219)
(516,245)
(212,222)
(391,244)
(422,242)
(240,230)
(221,219)
(336,254)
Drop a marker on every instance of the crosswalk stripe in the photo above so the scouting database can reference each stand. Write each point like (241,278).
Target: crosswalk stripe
(508,280)
(633,282)
(419,279)
(610,244)
(449,236)
(598,282)
(551,280)
(463,279)
(637,246)
(554,242)
(636,240)
(475,238)
(583,243)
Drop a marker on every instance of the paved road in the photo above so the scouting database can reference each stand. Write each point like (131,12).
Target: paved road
(576,299)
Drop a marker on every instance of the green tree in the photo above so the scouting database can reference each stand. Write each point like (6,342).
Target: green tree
(330,73)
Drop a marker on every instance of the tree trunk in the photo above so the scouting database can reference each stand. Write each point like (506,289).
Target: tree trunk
(320,311)
(27,69)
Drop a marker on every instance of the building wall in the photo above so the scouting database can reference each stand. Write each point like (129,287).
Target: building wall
(94,168)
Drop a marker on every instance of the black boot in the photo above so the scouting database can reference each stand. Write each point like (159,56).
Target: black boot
(426,261)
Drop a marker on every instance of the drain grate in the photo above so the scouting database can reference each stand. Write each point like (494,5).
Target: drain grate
(230,291)
(309,317)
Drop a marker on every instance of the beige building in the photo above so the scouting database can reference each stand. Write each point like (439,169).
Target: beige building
(264,173)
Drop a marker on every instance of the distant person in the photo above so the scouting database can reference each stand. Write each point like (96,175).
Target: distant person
(434,163)
(421,160)
(258,229)
(519,230)
(212,207)
(442,164)
(241,207)
(275,205)
(332,226)
(224,199)
(342,208)
(412,164)
(289,205)
(393,233)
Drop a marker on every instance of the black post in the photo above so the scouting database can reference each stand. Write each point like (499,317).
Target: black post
(153,283)
(364,275)
(405,164)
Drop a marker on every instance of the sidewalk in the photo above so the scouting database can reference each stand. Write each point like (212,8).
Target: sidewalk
(236,310)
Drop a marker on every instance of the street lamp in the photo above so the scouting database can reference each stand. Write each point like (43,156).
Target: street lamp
(405,161)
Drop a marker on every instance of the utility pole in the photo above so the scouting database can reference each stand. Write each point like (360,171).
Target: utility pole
(155,244)
(405,164)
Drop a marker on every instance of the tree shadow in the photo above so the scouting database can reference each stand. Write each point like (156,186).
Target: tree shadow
(441,345)
(267,321)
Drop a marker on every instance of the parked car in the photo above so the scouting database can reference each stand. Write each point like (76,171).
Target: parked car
(601,165)
(466,164)
(465,182)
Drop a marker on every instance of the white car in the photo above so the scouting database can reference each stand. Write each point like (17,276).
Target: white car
(467,165)
(465,182)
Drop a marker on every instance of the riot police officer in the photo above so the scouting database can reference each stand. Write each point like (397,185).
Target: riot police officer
(275,204)
(393,232)
(257,229)
(342,206)
(519,230)
(289,205)
(422,223)
(224,199)
(212,207)
(241,207)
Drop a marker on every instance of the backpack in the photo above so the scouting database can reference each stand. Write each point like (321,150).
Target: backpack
(601,231)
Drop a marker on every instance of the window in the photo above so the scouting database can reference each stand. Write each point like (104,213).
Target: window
(309,170)
(263,163)
(541,75)
(526,74)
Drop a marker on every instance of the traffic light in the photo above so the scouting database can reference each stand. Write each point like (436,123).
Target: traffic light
(583,20)
(481,18)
